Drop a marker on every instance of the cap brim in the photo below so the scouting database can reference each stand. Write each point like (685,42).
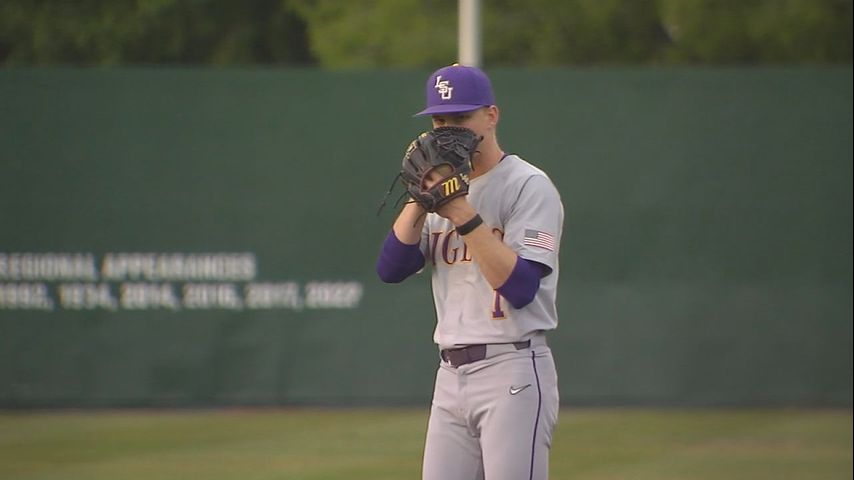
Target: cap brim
(438,109)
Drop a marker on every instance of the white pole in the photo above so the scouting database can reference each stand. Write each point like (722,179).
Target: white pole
(469,32)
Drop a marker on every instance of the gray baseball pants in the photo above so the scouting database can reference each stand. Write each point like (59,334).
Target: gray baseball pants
(493,419)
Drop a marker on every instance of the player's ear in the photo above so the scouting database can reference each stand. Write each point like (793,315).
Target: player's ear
(493,115)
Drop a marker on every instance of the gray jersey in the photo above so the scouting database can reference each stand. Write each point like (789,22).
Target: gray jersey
(522,207)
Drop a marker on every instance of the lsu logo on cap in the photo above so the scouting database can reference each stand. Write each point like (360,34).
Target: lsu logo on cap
(444,88)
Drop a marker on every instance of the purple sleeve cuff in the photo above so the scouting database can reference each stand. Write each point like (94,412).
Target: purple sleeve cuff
(398,260)
(522,284)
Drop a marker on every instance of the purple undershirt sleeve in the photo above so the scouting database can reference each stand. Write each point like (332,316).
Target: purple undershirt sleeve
(398,260)
(522,284)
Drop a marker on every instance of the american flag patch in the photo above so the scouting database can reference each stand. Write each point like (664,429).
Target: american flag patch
(536,238)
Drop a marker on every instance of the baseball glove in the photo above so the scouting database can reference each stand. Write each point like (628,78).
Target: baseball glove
(448,150)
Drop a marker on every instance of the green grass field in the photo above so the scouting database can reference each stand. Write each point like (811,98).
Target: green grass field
(298,444)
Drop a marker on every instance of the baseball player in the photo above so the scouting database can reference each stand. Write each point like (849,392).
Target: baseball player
(493,258)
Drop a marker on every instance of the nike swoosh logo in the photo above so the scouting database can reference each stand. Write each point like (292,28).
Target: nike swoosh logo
(515,390)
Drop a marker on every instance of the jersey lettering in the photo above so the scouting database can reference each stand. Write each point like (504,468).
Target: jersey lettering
(436,236)
(445,245)
(497,312)
(449,244)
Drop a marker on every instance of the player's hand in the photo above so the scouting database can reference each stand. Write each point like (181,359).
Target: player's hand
(436,166)
(456,207)
(458,211)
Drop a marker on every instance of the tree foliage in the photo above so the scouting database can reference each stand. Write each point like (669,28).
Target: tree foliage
(423,33)
(758,31)
(380,33)
(217,32)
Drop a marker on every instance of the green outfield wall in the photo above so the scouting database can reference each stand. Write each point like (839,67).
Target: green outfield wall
(187,237)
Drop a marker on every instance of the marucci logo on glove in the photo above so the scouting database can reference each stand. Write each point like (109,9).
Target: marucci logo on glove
(453,186)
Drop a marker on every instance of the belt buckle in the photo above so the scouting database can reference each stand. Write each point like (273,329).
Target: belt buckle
(456,357)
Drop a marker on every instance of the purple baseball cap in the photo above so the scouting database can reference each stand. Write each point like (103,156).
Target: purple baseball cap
(457,89)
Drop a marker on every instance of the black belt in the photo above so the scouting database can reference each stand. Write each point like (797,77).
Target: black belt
(473,353)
